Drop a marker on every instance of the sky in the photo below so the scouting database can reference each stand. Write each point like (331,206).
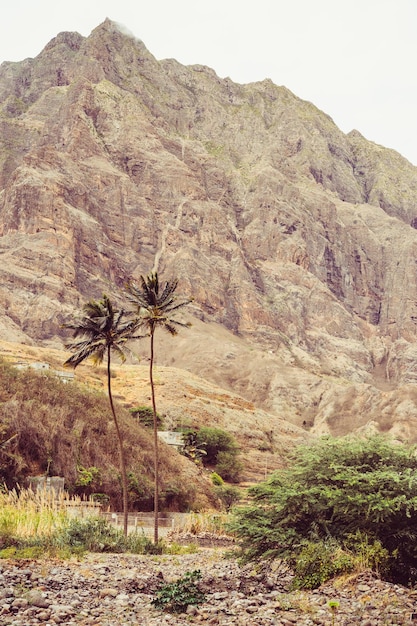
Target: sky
(354,59)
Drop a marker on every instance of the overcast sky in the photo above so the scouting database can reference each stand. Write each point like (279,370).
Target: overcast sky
(354,59)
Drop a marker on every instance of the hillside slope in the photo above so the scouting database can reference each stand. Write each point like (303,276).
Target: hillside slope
(48,428)
(183,400)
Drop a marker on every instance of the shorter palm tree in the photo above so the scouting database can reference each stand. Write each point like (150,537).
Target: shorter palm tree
(154,308)
(100,331)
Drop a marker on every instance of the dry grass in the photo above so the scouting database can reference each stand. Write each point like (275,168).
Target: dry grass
(26,514)
(55,428)
(213,522)
(184,400)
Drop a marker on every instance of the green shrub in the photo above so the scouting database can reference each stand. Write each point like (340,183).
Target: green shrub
(229,466)
(214,447)
(93,534)
(228,495)
(144,414)
(333,489)
(138,543)
(177,596)
(88,480)
(87,475)
(140,491)
(318,562)
(216,479)
(213,441)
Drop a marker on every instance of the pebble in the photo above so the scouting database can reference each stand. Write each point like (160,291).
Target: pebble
(117,590)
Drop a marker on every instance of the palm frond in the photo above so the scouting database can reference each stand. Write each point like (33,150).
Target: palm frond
(176,306)
(82,350)
(120,352)
(137,296)
(169,289)
(154,308)
(99,328)
(150,288)
(169,326)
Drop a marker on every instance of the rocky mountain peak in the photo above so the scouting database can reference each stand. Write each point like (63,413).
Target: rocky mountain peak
(296,241)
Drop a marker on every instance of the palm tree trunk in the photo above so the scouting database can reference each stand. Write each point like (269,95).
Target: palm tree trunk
(121,450)
(155,443)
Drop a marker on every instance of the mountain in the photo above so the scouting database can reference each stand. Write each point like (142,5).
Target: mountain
(296,241)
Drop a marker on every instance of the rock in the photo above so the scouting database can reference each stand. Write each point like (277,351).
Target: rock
(19,603)
(36,598)
(62,609)
(43,615)
(108,592)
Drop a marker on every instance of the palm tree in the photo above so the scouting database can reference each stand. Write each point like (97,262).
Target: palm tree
(100,331)
(154,308)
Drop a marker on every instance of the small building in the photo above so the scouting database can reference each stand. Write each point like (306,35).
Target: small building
(46,483)
(65,376)
(171,438)
(38,366)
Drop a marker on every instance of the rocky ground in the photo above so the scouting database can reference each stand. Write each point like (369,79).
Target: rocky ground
(117,590)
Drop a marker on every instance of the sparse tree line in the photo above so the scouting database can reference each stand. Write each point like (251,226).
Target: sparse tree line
(103,330)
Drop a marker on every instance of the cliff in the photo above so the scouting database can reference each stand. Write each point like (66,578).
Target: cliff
(296,241)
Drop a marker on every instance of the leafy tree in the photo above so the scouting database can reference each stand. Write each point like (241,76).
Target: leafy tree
(228,495)
(220,450)
(98,332)
(214,440)
(337,489)
(145,415)
(155,307)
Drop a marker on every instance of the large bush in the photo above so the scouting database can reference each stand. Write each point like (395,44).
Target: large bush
(144,415)
(338,489)
(219,450)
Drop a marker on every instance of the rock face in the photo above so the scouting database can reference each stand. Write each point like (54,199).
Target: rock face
(297,242)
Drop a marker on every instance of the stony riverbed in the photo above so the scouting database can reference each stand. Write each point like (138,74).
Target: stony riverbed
(117,590)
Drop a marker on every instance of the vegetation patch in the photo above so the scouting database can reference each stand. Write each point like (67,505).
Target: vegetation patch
(215,448)
(70,434)
(144,414)
(177,596)
(343,504)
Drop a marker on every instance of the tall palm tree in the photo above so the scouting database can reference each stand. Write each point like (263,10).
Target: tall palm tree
(97,333)
(154,308)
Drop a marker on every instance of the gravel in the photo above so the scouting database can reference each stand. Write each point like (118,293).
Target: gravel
(117,590)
